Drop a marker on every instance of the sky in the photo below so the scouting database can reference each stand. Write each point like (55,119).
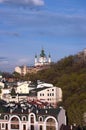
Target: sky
(27,26)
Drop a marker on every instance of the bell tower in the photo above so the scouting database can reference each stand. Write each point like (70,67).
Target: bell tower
(49,58)
(36,60)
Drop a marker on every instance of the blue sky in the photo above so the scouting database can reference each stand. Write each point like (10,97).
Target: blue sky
(27,26)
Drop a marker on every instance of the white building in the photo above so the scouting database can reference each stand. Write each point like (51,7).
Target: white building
(42,59)
(1,84)
(22,70)
(47,93)
(24,116)
(23,88)
(52,95)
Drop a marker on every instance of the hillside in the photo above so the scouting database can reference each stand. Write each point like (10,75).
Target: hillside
(71,77)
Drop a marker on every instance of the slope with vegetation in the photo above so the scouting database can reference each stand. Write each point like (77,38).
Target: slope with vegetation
(71,77)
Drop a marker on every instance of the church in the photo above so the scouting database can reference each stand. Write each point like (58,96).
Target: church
(42,59)
(41,62)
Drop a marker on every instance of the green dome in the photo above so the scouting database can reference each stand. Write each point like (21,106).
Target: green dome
(42,53)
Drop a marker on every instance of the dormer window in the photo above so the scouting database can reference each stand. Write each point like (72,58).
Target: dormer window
(23,118)
(40,119)
(6,117)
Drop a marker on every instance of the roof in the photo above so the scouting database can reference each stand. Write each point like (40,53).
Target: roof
(33,92)
(42,54)
(24,107)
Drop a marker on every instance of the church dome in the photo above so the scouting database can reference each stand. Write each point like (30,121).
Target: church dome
(42,54)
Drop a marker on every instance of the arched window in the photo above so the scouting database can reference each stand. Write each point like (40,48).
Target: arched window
(32,121)
(14,123)
(32,118)
(50,124)
(40,118)
(6,117)
(23,118)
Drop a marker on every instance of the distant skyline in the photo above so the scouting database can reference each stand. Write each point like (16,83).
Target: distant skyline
(27,26)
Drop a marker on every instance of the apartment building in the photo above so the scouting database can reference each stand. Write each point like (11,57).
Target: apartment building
(27,116)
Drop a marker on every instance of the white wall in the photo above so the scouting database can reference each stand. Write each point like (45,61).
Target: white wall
(52,95)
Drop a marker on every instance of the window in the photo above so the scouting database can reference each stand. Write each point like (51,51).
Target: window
(50,124)
(24,127)
(52,89)
(3,125)
(48,94)
(40,118)
(15,123)
(23,118)
(32,127)
(41,94)
(6,117)
(6,126)
(41,127)
(14,126)
(32,119)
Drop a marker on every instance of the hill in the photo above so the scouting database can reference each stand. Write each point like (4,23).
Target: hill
(70,75)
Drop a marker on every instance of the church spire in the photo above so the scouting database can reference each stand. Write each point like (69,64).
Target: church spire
(35,55)
(49,58)
(36,59)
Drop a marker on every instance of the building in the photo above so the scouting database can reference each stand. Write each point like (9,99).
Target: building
(41,62)
(82,56)
(23,88)
(44,92)
(52,95)
(47,93)
(27,116)
(1,84)
(42,59)
(22,70)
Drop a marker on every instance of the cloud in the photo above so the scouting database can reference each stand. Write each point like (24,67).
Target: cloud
(23,61)
(9,33)
(24,2)
(3,60)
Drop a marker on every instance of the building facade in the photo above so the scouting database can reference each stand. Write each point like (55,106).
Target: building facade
(24,116)
(47,93)
(52,95)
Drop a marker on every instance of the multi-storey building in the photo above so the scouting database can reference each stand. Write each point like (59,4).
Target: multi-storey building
(43,91)
(29,116)
(47,93)
(52,95)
